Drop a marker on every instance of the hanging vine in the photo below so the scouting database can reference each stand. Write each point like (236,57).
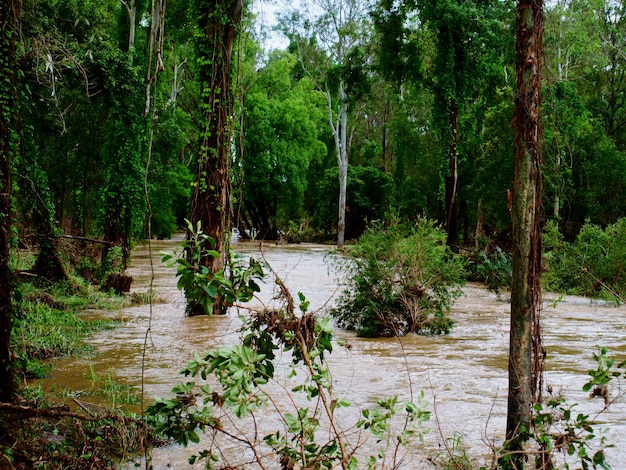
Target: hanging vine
(9,136)
(210,203)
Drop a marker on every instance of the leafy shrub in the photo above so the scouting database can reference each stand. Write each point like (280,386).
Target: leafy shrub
(495,269)
(402,279)
(205,288)
(593,265)
(559,428)
(227,400)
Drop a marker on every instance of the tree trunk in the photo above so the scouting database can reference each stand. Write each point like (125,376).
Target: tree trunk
(452,179)
(131,9)
(210,204)
(525,342)
(9,16)
(340,134)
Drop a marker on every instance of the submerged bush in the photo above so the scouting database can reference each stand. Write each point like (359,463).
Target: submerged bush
(593,265)
(402,279)
(495,269)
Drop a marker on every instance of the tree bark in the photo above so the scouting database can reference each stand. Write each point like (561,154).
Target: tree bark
(340,135)
(9,17)
(210,203)
(525,342)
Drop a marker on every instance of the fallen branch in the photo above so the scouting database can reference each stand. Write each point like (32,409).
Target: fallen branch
(87,239)
(16,412)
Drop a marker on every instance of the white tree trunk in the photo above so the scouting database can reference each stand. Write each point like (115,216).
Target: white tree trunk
(340,134)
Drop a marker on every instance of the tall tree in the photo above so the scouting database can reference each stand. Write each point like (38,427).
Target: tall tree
(282,118)
(123,201)
(525,342)
(450,22)
(454,49)
(210,203)
(330,48)
(9,17)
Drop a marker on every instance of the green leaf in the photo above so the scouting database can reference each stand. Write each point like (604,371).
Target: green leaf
(193,437)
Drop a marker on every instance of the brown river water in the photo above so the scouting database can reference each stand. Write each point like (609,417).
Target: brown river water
(463,374)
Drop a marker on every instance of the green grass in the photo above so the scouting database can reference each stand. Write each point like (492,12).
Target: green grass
(46,324)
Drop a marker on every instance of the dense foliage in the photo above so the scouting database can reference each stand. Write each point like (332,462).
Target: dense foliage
(428,92)
(592,265)
(402,278)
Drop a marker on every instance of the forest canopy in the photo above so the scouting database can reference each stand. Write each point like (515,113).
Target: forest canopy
(428,109)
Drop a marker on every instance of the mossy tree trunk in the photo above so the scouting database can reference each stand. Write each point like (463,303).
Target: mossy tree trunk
(9,16)
(525,341)
(210,203)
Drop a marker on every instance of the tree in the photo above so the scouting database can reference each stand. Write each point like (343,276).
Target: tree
(454,49)
(123,201)
(330,50)
(9,17)
(210,202)
(282,118)
(525,367)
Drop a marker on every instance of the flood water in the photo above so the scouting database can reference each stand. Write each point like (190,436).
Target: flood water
(463,374)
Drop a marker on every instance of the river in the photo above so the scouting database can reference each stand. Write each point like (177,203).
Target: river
(463,374)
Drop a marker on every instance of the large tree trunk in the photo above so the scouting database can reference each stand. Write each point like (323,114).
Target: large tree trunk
(524,371)
(210,203)
(9,16)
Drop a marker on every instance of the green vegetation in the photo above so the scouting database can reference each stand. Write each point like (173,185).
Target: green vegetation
(236,283)
(494,269)
(402,278)
(47,323)
(560,429)
(309,436)
(592,265)
(112,113)
(50,436)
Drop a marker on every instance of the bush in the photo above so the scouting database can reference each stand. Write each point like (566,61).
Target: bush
(402,279)
(495,269)
(593,265)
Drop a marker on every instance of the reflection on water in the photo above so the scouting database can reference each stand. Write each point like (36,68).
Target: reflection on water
(463,374)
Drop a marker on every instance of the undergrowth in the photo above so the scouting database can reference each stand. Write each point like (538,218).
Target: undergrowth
(39,435)
(47,324)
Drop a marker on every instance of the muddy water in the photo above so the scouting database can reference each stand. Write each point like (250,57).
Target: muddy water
(463,374)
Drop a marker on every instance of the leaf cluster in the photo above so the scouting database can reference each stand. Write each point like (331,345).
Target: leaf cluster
(205,287)
(558,428)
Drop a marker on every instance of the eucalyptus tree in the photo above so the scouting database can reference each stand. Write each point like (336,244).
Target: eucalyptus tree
(330,38)
(525,350)
(9,28)
(218,23)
